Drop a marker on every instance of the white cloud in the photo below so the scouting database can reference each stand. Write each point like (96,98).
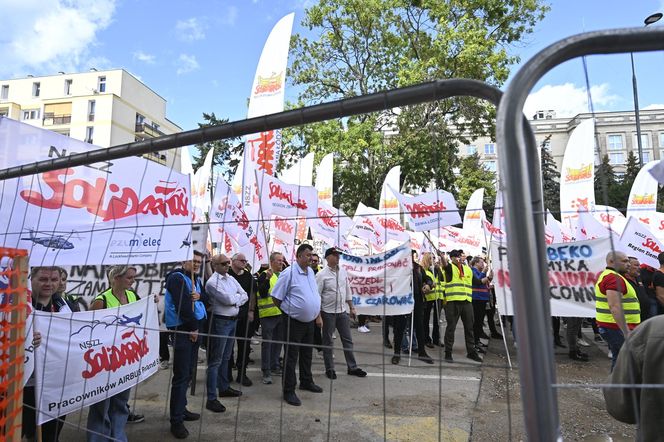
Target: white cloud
(186,64)
(653,106)
(568,100)
(50,35)
(190,30)
(230,16)
(145,58)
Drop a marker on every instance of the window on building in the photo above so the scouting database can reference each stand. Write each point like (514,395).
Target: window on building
(68,83)
(614,142)
(4,93)
(101,84)
(36,87)
(91,110)
(30,114)
(490,149)
(661,139)
(491,165)
(471,149)
(140,119)
(647,156)
(4,112)
(645,141)
(616,158)
(89,133)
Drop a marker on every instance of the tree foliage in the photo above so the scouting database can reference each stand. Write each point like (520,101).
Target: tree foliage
(227,153)
(550,180)
(356,47)
(607,186)
(476,175)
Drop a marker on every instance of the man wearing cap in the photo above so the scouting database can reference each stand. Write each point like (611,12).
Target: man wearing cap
(458,297)
(336,303)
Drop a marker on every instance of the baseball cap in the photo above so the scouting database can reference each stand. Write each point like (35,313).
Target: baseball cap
(332,251)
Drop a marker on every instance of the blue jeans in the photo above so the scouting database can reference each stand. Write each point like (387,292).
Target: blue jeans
(615,339)
(220,347)
(272,329)
(107,419)
(185,358)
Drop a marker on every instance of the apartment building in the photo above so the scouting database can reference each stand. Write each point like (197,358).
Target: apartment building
(105,108)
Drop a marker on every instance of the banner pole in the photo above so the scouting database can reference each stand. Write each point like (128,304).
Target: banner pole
(509,360)
(193,309)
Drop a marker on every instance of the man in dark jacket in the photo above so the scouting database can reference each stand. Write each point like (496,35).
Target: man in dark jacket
(184,310)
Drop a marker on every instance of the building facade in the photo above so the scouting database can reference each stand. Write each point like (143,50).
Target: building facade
(105,108)
(615,137)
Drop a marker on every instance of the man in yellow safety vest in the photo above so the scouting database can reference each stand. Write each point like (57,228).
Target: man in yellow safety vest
(270,318)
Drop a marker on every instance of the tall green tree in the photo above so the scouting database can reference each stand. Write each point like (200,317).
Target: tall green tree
(631,171)
(356,47)
(227,153)
(474,175)
(550,180)
(607,186)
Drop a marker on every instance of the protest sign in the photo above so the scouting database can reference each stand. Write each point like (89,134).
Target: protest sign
(573,271)
(287,200)
(126,210)
(641,242)
(429,211)
(86,357)
(381,284)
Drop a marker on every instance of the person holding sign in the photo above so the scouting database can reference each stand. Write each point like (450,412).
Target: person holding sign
(296,294)
(336,303)
(184,311)
(45,282)
(617,308)
(107,419)
(458,296)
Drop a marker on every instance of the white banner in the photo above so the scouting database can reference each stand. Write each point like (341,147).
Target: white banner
(573,272)
(365,226)
(388,204)
(381,284)
(470,242)
(641,242)
(227,216)
(474,214)
(128,210)
(324,175)
(87,357)
(331,224)
(429,211)
(578,173)
(642,202)
(288,200)
(200,191)
(610,218)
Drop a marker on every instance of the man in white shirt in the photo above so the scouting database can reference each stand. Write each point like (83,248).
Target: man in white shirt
(296,294)
(226,296)
(336,302)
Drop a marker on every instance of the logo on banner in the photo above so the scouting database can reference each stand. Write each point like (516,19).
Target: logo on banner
(422,210)
(269,85)
(328,217)
(643,200)
(582,173)
(325,194)
(474,214)
(606,218)
(277,192)
(283,225)
(391,203)
(263,151)
(391,224)
(169,199)
(649,243)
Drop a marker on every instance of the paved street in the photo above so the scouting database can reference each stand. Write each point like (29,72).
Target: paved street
(393,402)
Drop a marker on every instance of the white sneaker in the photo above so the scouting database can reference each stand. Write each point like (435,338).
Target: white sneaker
(363,329)
(582,342)
(163,365)
(610,354)
(334,336)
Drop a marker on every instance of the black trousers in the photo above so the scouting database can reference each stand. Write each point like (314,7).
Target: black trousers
(297,333)
(50,430)
(434,336)
(164,354)
(453,311)
(479,310)
(418,324)
(243,332)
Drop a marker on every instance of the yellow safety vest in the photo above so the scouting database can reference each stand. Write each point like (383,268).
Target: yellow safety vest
(266,307)
(438,289)
(460,288)
(630,302)
(111,301)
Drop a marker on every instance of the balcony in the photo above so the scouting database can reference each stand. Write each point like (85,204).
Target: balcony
(149,130)
(54,120)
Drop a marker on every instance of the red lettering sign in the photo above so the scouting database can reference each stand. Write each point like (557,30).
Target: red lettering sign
(277,192)
(262,151)
(422,210)
(606,218)
(390,224)
(114,357)
(80,194)
(328,217)
(283,225)
(652,245)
